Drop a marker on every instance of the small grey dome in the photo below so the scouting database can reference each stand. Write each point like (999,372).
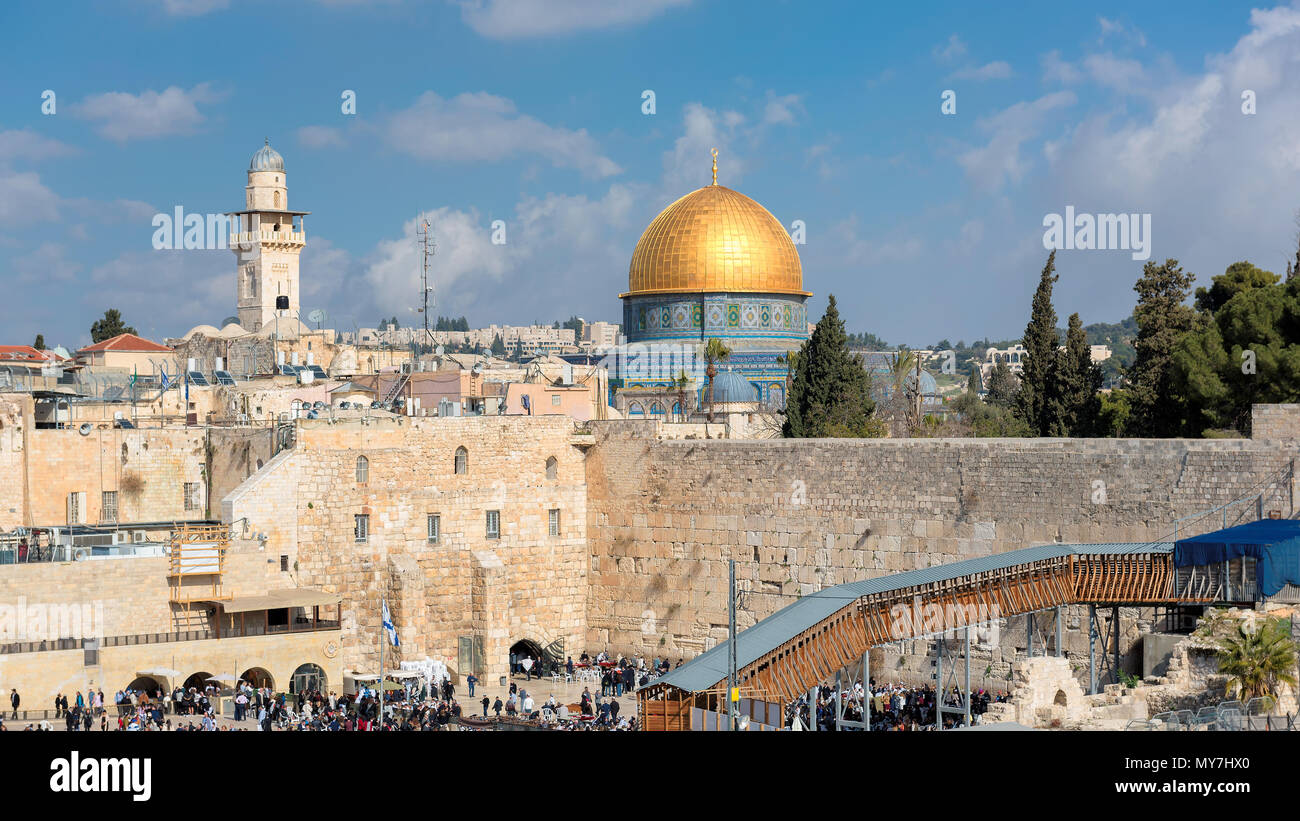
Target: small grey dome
(729,386)
(266,159)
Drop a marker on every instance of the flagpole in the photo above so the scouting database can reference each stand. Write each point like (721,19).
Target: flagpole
(382,629)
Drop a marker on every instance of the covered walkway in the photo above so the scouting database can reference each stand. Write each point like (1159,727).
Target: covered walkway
(810,641)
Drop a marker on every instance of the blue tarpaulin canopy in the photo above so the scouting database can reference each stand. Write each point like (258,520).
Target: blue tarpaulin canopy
(1275,543)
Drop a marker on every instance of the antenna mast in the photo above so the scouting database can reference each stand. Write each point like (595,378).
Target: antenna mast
(428,247)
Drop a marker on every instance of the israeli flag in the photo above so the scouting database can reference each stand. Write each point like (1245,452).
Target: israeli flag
(388,625)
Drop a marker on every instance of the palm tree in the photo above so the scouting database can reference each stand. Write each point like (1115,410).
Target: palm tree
(714,352)
(1256,662)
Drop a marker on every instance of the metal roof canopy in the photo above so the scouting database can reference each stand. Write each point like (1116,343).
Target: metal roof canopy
(707,669)
(277,599)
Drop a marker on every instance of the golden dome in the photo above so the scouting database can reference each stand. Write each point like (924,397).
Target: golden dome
(715,239)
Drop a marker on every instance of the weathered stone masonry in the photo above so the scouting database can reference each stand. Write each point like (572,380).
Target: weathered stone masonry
(665,516)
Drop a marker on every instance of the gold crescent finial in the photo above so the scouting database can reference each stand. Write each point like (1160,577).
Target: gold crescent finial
(714,152)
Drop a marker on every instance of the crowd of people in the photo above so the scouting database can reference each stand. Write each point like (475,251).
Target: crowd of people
(893,707)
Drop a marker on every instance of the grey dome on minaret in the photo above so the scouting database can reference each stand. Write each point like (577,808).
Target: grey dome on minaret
(266,159)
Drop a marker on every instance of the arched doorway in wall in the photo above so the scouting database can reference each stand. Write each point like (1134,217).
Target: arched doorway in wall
(257,677)
(198,681)
(143,684)
(522,649)
(308,677)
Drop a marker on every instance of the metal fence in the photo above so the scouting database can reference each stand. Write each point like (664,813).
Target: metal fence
(1258,714)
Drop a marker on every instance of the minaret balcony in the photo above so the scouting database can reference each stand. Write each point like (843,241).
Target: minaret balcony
(288,238)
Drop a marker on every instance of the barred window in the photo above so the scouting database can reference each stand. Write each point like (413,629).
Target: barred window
(109,513)
(192,493)
(363,470)
(494,524)
(554,521)
(361,530)
(435,527)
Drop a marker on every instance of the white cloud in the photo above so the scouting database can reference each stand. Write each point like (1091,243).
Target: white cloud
(782,110)
(193,8)
(320,136)
(996,70)
(24,199)
(482,127)
(999,160)
(687,166)
(950,51)
(47,263)
(150,114)
(1056,70)
(29,145)
(515,19)
(1119,29)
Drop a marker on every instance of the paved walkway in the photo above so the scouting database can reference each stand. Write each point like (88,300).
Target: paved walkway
(539,689)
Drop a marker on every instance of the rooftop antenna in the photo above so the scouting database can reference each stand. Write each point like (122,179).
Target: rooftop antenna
(427,249)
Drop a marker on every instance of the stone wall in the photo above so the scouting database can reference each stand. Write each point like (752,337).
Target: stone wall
(665,516)
(525,584)
(1275,422)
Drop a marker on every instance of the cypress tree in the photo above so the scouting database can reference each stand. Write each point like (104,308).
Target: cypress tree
(830,394)
(1002,386)
(1162,319)
(1078,403)
(1037,403)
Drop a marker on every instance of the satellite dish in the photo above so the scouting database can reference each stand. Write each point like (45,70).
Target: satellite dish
(439,350)
(85,428)
(316,316)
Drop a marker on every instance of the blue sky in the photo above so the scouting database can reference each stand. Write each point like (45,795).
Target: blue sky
(923,225)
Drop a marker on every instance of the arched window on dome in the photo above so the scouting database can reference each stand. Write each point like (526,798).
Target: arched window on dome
(462,460)
(363,470)
(552,468)
(635,409)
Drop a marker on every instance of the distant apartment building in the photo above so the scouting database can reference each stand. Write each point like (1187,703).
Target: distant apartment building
(598,335)
(1014,357)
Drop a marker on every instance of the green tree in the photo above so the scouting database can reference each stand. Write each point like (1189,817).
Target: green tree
(498,347)
(830,394)
(39,344)
(1239,276)
(1112,420)
(1038,403)
(1258,661)
(110,326)
(1163,319)
(1243,349)
(1002,387)
(1078,380)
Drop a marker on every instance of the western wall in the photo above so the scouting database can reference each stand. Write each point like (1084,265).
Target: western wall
(802,515)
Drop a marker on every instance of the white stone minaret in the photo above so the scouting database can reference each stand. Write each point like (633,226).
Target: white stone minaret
(267,238)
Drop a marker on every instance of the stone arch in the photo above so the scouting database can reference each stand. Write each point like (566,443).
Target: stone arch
(462,460)
(307,677)
(635,409)
(363,470)
(552,468)
(147,684)
(198,681)
(258,677)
